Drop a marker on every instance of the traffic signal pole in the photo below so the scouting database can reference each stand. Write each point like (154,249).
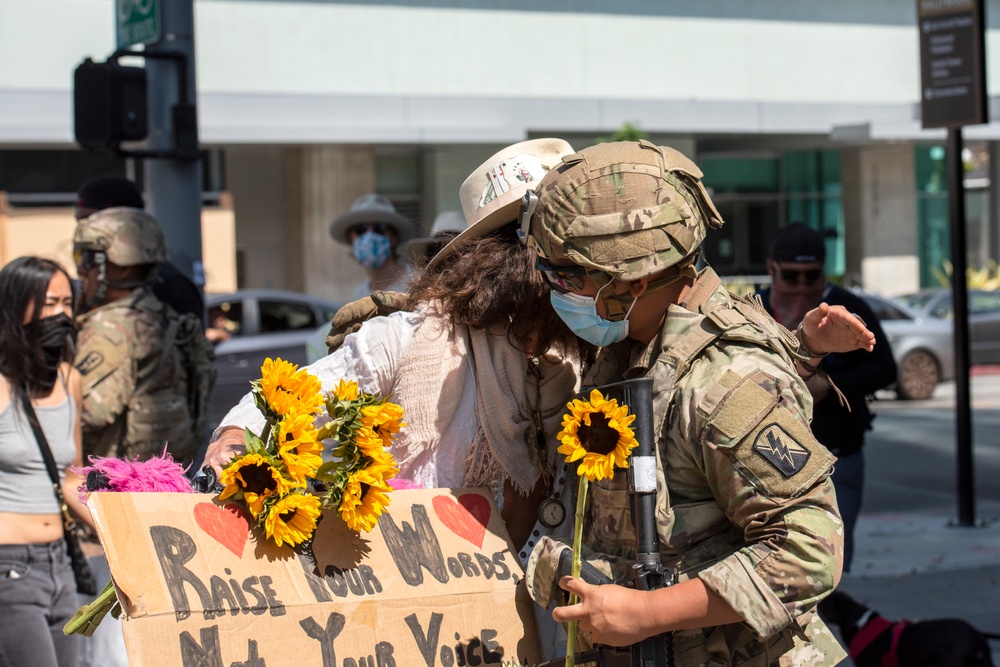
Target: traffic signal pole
(173,186)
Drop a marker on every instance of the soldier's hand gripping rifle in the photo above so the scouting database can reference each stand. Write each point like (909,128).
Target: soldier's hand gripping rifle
(646,573)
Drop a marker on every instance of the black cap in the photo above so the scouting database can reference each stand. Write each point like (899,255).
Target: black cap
(797,243)
(109,191)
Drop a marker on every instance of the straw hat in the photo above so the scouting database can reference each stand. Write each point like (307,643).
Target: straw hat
(447,225)
(491,195)
(372,207)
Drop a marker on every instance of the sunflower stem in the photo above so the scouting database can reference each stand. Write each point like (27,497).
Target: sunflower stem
(581,504)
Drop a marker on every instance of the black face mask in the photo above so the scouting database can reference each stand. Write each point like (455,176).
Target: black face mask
(55,333)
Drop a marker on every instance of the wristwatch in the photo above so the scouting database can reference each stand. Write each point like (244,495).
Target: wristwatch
(551,513)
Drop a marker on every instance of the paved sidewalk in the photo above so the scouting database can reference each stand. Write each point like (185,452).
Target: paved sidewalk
(918,566)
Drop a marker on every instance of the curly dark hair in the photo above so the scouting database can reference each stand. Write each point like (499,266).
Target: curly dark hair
(23,284)
(491,283)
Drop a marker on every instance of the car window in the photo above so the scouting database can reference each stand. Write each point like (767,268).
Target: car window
(227,316)
(984,302)
(942,308)
(884,310)
(285,316)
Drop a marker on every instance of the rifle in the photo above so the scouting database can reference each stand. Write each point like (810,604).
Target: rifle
(646,573)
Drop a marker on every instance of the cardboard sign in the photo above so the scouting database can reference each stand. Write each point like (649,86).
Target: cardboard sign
(436,583)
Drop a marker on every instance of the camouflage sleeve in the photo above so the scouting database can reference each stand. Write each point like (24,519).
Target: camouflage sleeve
(104,360)
(771,478)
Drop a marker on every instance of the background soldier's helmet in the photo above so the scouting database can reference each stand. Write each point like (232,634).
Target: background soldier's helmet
(127,236)
(628,209)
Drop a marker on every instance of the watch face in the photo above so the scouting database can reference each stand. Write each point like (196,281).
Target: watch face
(551,513)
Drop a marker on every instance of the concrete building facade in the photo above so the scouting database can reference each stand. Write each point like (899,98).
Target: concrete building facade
(796,111)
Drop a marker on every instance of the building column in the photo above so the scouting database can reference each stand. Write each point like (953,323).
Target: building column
(321,183)
(880,218)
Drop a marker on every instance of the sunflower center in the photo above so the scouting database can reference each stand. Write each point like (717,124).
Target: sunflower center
(287,516)
(599,437)
(364,490)
(258,478)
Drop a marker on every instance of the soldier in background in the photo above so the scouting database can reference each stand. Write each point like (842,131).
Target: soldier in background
(746,513)
(146,369)
(169,284)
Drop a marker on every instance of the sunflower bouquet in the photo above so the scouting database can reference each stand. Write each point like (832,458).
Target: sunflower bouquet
(597,433)
(282,479)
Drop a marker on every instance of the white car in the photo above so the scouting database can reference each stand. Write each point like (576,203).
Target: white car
(921,345)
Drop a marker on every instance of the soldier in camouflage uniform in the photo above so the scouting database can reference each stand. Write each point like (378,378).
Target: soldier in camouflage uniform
(746,512)
(132,348)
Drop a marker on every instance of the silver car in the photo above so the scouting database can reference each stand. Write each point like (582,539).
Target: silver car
(984,319)
(921,345)
(251,325)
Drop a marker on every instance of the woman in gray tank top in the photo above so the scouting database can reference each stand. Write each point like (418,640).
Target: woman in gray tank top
(37,588)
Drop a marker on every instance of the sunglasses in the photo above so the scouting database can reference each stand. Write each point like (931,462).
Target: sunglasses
(792,275)
(377,227)
(561,278)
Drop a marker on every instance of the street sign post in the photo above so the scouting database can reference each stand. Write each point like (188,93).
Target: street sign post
(137,22)
(952,63)
(953,94)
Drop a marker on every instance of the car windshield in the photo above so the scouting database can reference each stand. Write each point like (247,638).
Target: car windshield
(916,301)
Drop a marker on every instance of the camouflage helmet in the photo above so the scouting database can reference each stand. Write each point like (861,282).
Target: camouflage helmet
(628,209)
(126,236)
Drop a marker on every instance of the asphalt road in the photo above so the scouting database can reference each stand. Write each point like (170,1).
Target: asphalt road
(910,456)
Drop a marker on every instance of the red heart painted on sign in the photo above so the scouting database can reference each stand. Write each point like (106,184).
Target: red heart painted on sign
(467,518)
(228,525)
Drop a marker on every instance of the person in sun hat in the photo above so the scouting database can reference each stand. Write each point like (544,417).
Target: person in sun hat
(375,231)
(447,225)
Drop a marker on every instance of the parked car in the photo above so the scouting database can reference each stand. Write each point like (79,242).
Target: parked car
(260,324)
(921,345)
(984,319)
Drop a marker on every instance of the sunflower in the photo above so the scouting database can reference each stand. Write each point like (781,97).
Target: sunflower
(598,432)
(346,390)
(286,388)
(365,498)
(383,461)
(255,477)
(298,446)
(292,519)
(384,419)
(368,442)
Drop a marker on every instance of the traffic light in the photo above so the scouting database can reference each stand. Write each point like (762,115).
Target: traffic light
(109,104)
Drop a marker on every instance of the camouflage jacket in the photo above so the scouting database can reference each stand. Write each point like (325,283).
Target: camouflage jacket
(134,382)
(744,498)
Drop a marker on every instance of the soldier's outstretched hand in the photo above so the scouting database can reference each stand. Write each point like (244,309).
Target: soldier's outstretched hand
(834,329)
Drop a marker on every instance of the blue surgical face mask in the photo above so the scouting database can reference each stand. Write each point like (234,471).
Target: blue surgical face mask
(579,313)
(371,249)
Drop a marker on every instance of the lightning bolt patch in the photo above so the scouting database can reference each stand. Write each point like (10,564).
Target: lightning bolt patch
(781,450)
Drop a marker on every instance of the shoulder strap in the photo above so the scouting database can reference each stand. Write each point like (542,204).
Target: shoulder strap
(43,445)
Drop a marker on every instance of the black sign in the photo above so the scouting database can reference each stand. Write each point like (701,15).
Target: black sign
(952,63)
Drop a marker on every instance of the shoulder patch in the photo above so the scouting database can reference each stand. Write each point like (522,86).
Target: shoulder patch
(781,450)
(90,362)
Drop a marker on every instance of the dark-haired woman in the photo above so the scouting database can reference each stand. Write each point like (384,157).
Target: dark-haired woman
(37,588)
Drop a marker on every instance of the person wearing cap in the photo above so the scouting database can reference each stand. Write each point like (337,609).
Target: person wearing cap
(169,284)
(798,283)
(375,231)
(746,513)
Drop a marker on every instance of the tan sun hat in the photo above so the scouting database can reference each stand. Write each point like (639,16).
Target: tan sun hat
(373,208)
(491,195)
(447,225)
